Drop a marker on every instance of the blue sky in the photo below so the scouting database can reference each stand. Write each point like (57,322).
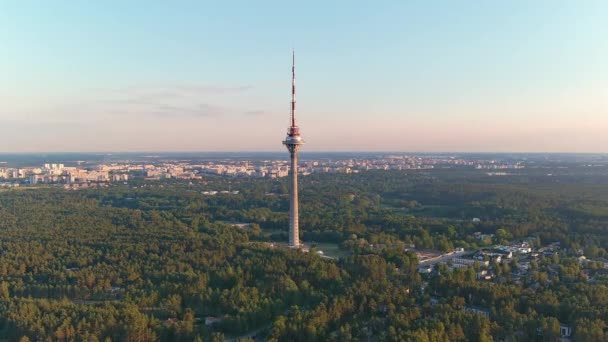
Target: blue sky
(372,75)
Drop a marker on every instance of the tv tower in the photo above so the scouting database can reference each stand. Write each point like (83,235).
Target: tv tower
(293,141)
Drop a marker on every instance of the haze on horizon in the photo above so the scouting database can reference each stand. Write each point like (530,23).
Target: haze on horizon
(516,76)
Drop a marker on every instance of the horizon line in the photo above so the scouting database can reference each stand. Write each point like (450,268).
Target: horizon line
(306,152)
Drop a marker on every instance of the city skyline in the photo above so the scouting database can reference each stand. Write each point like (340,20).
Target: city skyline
(514,77)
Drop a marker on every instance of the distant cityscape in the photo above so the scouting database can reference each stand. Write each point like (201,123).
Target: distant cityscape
(79,173)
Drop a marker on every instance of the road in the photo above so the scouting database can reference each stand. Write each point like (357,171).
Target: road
(441,259)
(250,334)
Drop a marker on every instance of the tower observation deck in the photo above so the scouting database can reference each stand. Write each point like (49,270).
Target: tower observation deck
(293,141)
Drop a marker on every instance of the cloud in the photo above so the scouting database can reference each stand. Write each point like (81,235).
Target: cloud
(175,102)
(175,90)
(254,112)
(24,125)
(144,98)
(154,95)
(194,101)
(213,89)
(200,110)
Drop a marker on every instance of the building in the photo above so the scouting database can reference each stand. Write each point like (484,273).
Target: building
(469,262)
(293,142)
(565,332)
(477,310)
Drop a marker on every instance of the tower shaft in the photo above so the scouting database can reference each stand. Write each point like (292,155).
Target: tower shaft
(294,220)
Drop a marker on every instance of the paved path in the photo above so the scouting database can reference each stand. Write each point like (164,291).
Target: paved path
(441,259)
(250,334)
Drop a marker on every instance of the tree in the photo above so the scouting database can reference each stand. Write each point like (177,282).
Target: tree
(550,328)
(502,236)
(589,330)
(4,291)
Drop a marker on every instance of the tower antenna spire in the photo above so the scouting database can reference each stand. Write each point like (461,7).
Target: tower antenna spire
(293,88)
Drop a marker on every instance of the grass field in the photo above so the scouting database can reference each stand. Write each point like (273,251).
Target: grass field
(331,250)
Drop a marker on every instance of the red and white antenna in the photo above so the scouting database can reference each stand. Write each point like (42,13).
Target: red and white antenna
(293,89)
(293,130)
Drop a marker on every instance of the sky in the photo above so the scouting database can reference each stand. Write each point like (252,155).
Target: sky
(412,76)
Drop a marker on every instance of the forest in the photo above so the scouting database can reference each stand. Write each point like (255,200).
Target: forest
(160,261)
